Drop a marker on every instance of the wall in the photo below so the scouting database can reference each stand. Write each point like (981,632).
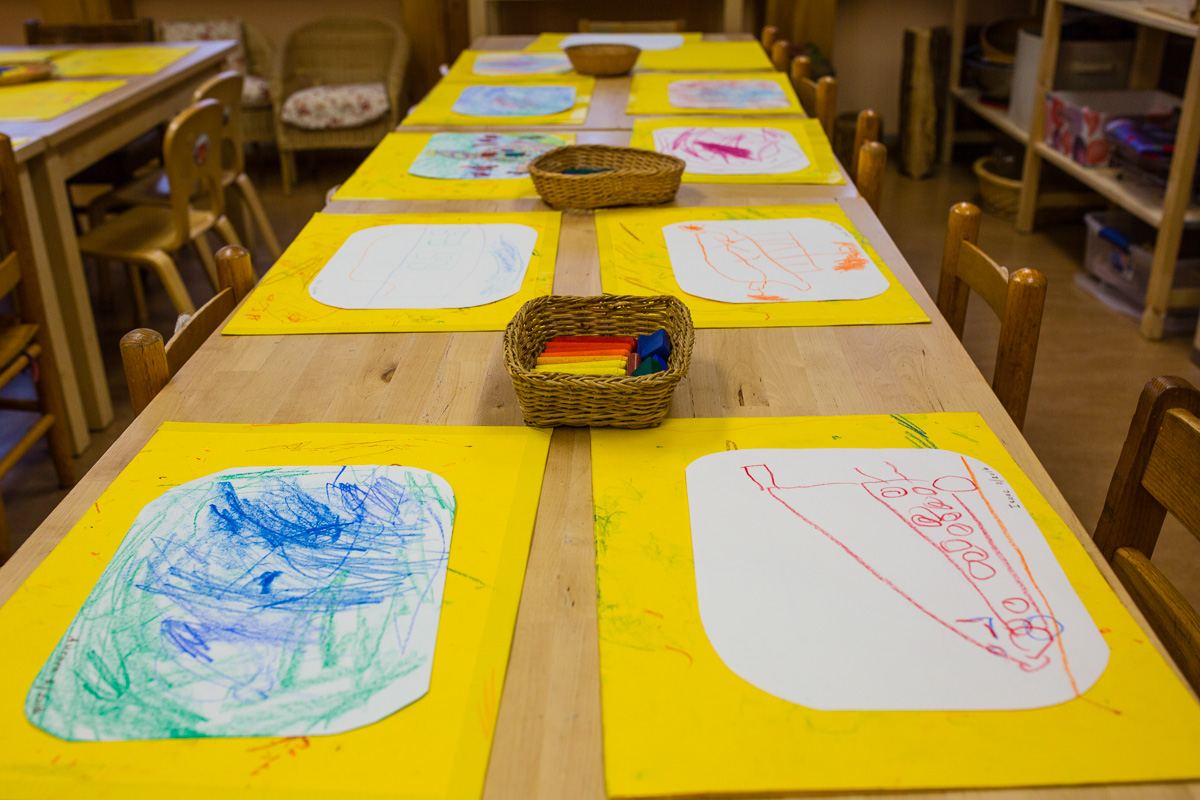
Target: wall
(869,46)
(13,14)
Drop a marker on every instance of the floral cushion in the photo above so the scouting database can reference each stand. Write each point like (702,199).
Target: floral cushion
(207,30)
(323,108)
(256,92)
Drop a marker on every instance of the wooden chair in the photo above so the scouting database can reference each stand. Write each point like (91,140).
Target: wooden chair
(768,37)
(867,128)
(144,236)
(149,365)
(125,30)
(154,189)
(819,97)
(1017,299)
(23,343)
(639,26)
(870,162)
(337,51)
(1158,471)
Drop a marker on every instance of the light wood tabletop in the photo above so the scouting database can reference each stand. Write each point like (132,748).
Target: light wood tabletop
(59,148)
(548,736)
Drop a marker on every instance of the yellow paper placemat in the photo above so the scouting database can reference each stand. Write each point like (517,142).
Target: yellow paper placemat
(634,260)
(119,60)
(651,94)
(679,722)
(435,747)
(715,149)
(551,41)
(21,55)
(438,106)
(280,303)
(48,99)
(384,175)
(702,56)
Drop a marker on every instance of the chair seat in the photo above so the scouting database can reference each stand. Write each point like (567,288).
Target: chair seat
(256,92)
(334,107)
(14,339)
(134,234)
(152,189)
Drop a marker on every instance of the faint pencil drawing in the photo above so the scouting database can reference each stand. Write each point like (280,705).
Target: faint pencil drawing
(771,261)
(426,266)
(260,601)
(733,151)
(926,556)
(514,101)
(742,94)
(642,41)
(521,63)
(481,156)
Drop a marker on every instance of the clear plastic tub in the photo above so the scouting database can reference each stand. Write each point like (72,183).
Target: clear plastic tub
(1118,256)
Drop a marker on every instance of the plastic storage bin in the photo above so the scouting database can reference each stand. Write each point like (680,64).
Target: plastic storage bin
(1116,255)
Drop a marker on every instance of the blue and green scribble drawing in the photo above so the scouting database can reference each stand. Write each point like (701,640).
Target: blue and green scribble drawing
(264,601)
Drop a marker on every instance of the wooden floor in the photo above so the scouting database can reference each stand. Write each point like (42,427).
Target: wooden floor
(1091,365)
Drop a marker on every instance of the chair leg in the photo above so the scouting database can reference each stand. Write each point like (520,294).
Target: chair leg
(168,273)
(228,232)
(5,544)
(255,206)
(287,165)
(138,290)
(200,243)
(50,399)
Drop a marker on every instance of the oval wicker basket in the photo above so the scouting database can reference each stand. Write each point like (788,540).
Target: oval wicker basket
(556,398)
(998,195)
(630,176)
(603,60)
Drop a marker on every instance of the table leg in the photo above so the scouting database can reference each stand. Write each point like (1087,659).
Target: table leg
(56,331)
(53,206)
(733,16)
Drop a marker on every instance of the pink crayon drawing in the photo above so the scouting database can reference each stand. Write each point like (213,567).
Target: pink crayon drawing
(771,261)
(733,151)
(903,579)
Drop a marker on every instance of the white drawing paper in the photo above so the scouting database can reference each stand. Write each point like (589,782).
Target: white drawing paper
(642,41)
(771,261)
(426,266)
(733,151)
(741,94)
(521,62)
(258,601)
(888,579)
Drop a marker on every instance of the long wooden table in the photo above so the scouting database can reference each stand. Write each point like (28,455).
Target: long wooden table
(548,736)
(58,148)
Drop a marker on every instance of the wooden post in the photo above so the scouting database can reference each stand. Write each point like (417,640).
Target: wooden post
(1017,351)
(145,360)
(827,104)
(958,26)
(780,55)
(234,271)
(1031,176)
(953,294)
(769,34)
(871,162)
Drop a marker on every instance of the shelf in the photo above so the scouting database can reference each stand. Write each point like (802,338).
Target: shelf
(1139,201)
(995,116)
(1135,12)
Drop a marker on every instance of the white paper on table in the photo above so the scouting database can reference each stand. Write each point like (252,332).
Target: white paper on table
(521,63)
(740,94)
(771,261)
(889,579)
(733,151)
(426,266)
(642,41)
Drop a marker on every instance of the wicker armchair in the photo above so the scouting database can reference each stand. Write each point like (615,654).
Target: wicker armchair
(337,51)
(258,124)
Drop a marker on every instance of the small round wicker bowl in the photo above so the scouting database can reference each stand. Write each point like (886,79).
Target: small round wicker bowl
(556,398)
(603,60)
(625,176)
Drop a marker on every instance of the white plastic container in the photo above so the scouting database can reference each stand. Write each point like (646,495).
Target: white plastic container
(1125,268)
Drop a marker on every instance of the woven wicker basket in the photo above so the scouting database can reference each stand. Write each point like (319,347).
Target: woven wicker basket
(631,177)
(555,398)
(999,195)
(603,60)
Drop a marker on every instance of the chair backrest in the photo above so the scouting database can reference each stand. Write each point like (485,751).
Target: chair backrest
(192,160)
(769,34)
(637,26)
(1017,300)
(1158,471)
(868,176)
(868,127)
(338,50)
(818,97)
(126,30)
(226,89)
(149,364)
